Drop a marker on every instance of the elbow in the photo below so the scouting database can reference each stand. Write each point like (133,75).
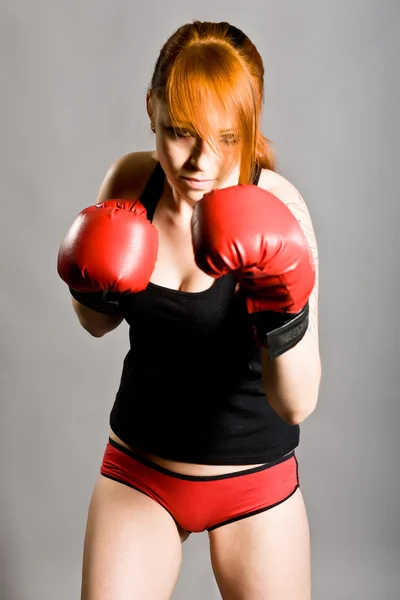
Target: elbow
(296,410)
(94,331)
(96,334)
(298,414)
(296,418)
(97,324)
(98,331)
(292,416)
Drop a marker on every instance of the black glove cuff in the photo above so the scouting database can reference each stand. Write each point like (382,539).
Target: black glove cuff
(280,331)
(105,303)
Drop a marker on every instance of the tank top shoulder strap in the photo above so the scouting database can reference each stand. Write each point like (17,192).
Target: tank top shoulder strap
(256,177)
(153,190)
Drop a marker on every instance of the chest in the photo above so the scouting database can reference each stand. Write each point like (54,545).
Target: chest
(175,267)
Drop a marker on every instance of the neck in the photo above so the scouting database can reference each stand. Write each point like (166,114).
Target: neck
(179,208)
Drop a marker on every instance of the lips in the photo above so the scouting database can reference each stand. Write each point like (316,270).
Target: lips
(197,180)
(198,184)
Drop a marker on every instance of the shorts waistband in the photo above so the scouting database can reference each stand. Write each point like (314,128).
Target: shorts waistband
(152,465)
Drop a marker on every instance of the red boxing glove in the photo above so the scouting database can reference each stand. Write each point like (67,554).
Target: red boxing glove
(111,246)
(248,231)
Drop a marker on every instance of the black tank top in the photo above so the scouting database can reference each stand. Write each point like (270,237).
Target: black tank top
(191,387)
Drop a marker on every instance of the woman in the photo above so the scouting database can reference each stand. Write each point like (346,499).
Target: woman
(210,256)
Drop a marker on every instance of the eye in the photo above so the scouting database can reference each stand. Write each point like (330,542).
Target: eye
(230,138)
(179,132)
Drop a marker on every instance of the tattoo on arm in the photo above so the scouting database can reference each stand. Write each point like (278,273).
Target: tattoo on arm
(301,212)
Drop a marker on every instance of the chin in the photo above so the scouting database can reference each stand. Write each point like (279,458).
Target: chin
(187,191)
(193,195)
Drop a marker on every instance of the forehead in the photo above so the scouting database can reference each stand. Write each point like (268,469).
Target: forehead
(217,119)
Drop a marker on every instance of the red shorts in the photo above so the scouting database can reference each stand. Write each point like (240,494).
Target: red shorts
(204,503)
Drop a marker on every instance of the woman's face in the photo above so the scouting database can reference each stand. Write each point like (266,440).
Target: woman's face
(194,166)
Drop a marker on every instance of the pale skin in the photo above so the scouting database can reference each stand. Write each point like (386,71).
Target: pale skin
(132,545)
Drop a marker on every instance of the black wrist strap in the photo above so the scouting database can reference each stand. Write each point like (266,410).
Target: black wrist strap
(105,303)
(285,335)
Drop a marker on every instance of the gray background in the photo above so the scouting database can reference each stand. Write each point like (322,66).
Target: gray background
(73,81)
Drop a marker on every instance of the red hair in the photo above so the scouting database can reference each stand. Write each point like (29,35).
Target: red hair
(203,65)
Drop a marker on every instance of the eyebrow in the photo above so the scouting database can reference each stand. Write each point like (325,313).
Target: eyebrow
(168,123)
(188,126)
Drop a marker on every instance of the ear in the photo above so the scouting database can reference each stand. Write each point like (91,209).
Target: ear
(149,105)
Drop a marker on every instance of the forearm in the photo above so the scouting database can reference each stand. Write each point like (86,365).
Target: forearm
(292,380)
(95,323)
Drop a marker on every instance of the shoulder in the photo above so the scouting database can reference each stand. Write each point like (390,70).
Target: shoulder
(283,189)
(127,176)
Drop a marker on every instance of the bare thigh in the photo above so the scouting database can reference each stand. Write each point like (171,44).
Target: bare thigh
(132,548)
(264,557)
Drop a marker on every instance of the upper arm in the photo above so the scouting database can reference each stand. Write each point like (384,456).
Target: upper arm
(127,176)
(288,193)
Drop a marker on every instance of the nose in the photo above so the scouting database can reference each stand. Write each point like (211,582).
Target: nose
(202,155)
